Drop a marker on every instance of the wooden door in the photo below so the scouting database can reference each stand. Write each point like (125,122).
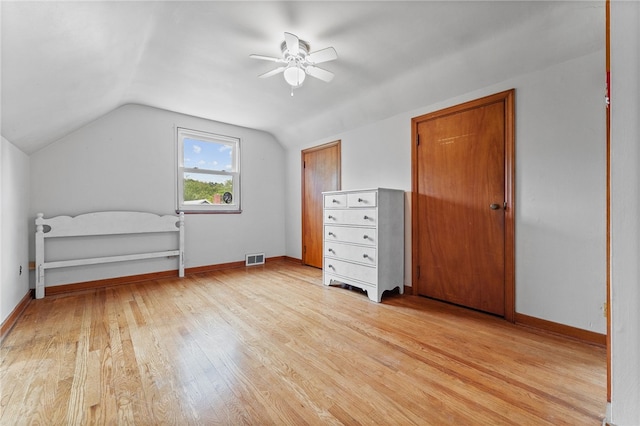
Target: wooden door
(463,171)
(320,172)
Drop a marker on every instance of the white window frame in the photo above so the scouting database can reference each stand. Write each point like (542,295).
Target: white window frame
(234,206)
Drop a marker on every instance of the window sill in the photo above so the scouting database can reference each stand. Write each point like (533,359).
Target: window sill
(209,211)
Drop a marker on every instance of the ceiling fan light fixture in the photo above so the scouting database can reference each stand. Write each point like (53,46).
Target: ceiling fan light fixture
(294,76)
(297,62)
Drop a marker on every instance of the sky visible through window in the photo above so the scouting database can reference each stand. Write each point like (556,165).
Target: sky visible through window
(207,156)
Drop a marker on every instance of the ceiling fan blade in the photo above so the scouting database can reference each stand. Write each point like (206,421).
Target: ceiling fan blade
(266,58)
(319,73)
(323,55)
(293,43)
(272,72)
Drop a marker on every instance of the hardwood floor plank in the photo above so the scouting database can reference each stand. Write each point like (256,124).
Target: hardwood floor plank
(127,382)
(76,409)
(271,345)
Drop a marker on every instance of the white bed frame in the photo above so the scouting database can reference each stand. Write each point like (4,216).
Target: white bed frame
(104,223)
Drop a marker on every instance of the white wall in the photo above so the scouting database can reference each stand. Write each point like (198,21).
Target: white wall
(560,185)
(625,213)
(14,207)
(126,160)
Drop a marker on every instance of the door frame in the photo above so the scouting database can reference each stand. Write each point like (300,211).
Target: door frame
(608,196)
(508,97)
(337,143)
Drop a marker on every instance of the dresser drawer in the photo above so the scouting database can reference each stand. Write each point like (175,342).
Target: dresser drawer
(361,254)
(335,201)
(362,199)
(350,235)
(360,217)
(351,270)
(329,279)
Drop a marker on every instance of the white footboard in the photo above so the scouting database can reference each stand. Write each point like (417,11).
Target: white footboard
(104,223)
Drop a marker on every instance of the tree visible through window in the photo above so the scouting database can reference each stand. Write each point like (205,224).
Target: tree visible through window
(208,172)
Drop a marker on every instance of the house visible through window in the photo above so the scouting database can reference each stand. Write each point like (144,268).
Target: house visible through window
(208,172)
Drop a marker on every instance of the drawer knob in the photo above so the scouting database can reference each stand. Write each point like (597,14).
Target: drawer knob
(360,200)
(366,237)
(330,217)
(335,201)
(331,267)
(331,251)
(366,256)
(366,217)
(331,234)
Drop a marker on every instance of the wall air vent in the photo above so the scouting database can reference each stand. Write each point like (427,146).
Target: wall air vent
(254,259)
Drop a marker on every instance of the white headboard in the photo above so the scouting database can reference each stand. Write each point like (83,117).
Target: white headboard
(104,223)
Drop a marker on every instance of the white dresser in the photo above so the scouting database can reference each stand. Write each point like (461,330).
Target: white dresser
(364,239)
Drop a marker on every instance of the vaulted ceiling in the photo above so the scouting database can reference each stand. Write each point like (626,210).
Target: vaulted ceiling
(65,64)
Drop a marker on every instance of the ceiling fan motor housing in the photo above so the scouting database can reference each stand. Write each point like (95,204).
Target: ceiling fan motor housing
(304,48)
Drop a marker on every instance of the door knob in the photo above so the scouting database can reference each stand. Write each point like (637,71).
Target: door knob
(494,206)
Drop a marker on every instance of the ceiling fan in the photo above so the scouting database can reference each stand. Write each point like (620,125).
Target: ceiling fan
(297,62)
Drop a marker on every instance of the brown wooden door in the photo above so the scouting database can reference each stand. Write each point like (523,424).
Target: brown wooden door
(461,199)
(320,172)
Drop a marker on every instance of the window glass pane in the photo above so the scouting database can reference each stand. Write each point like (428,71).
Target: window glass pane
(207,189)
(207,155)
(208,172)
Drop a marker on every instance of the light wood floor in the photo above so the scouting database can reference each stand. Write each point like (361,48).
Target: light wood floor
(272,346)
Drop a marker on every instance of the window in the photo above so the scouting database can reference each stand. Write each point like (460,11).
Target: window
(208,172)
